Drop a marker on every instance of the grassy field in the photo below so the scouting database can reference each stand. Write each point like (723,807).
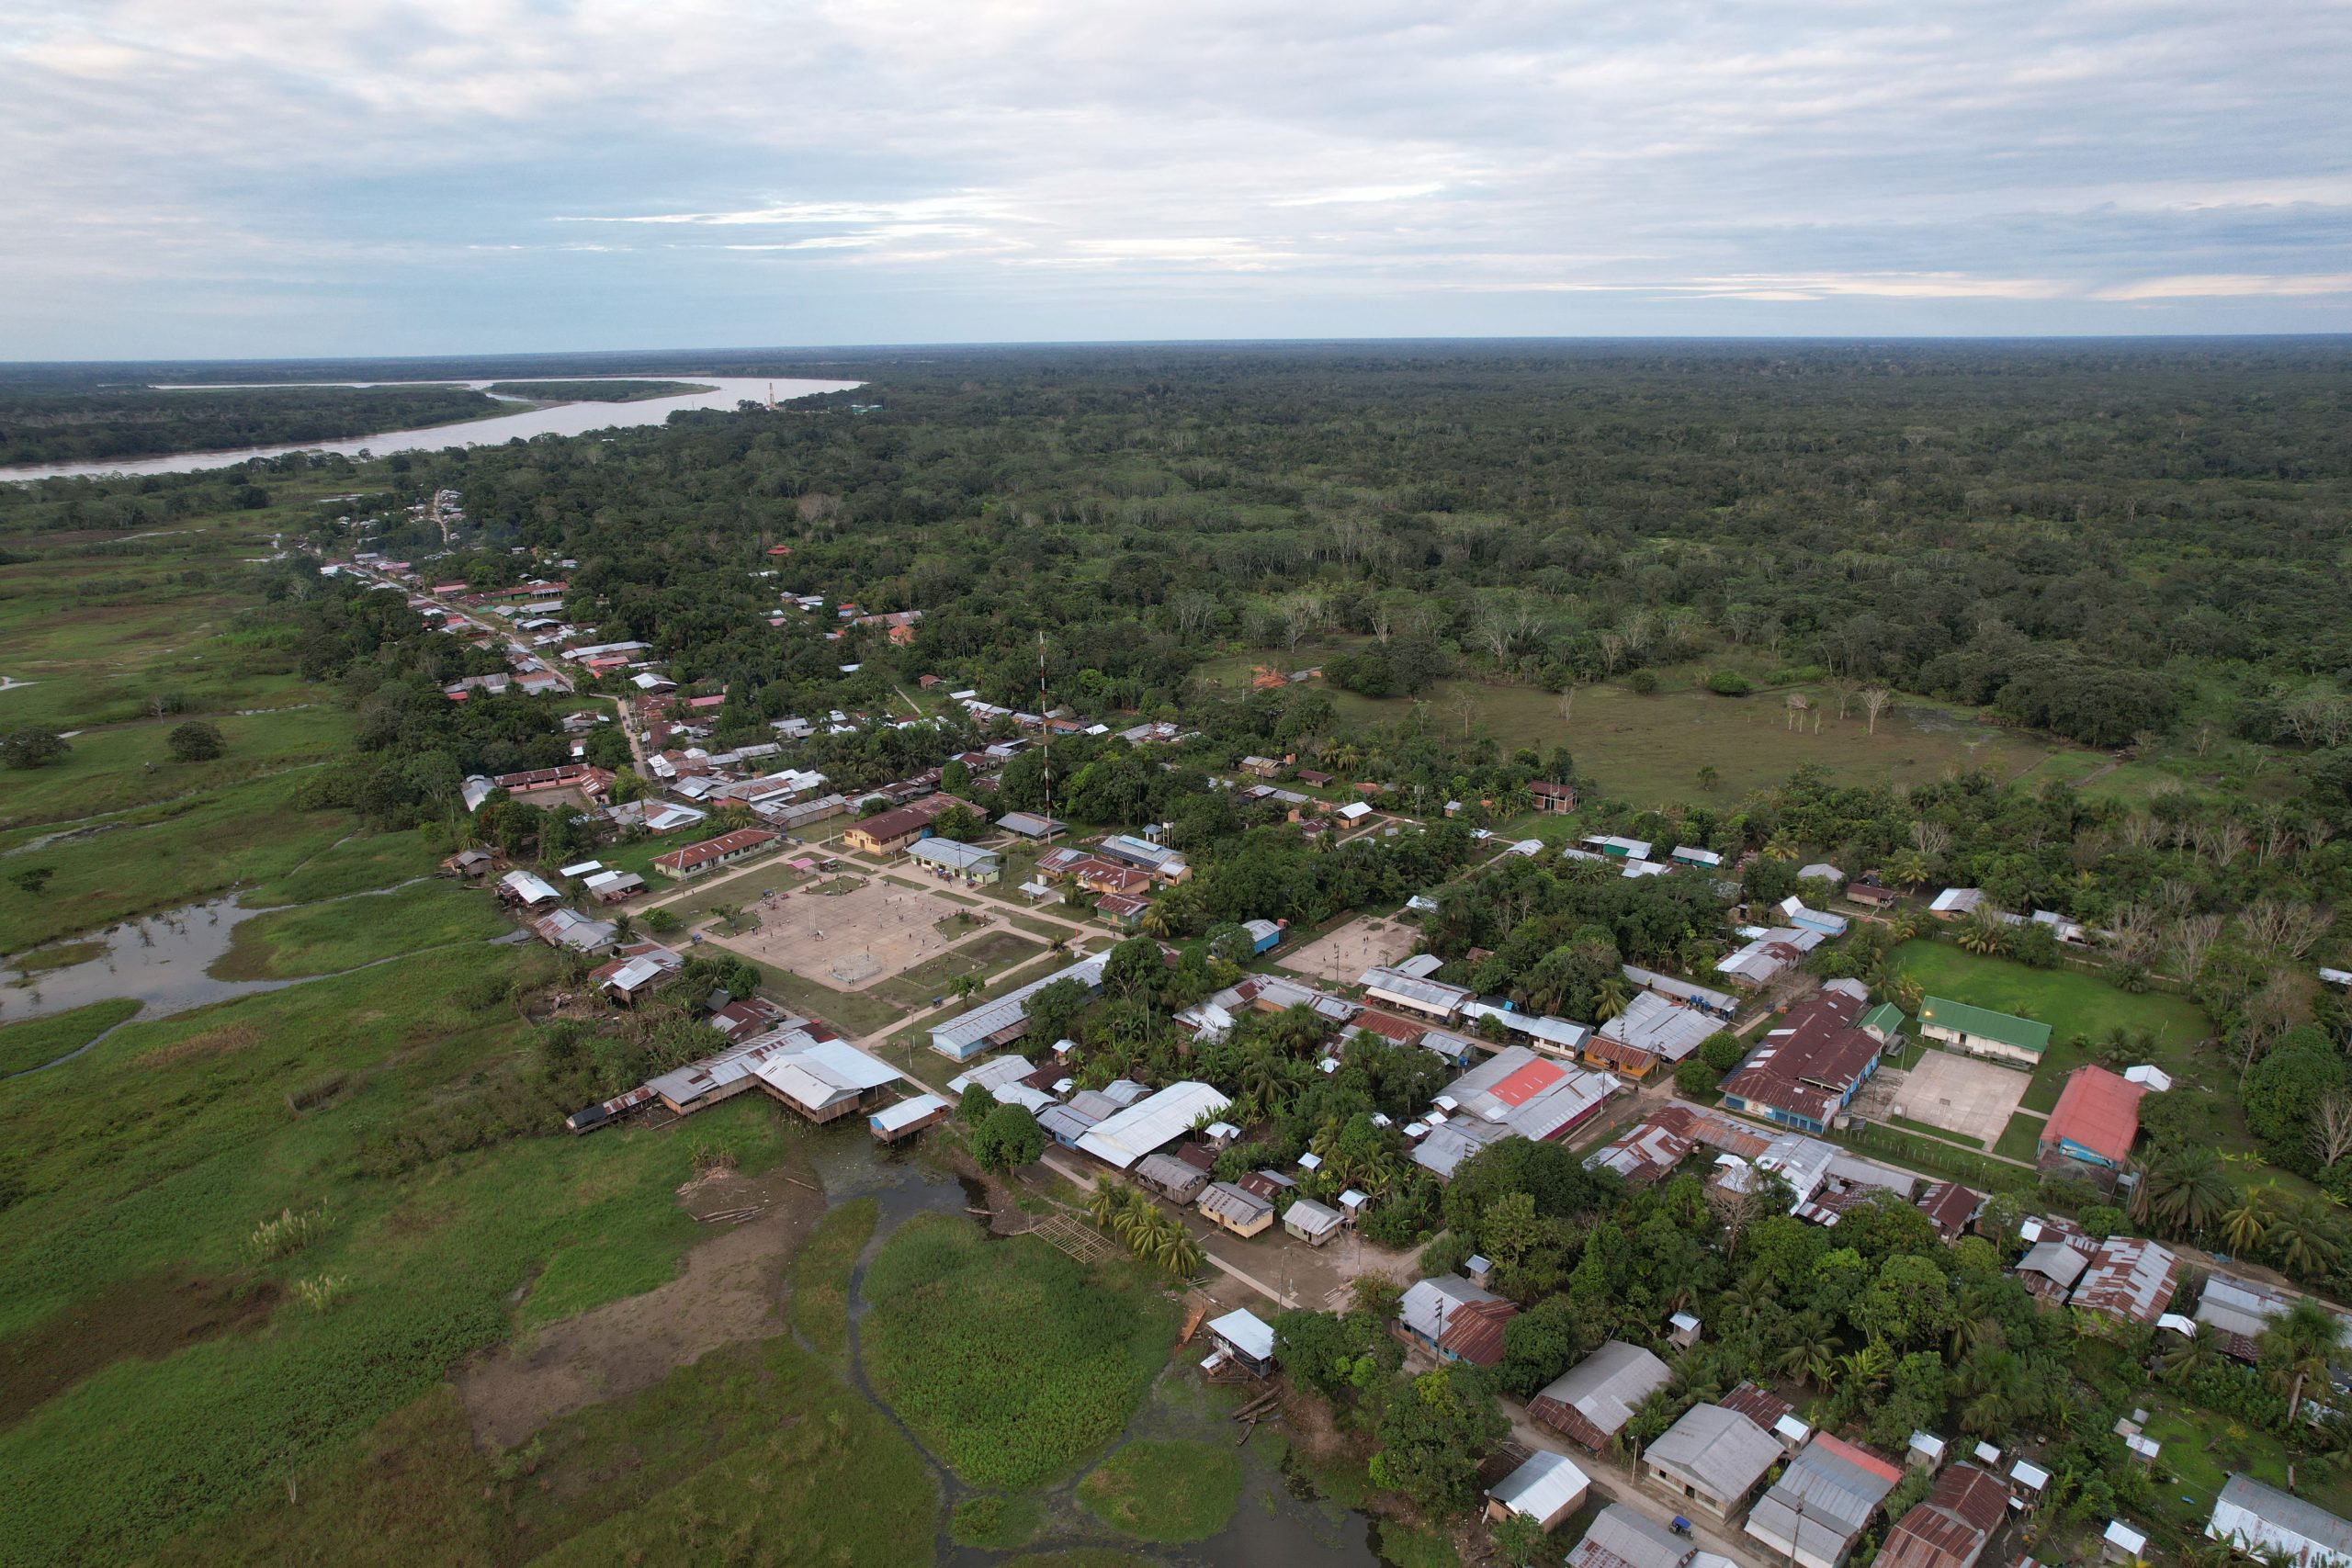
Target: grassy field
(819,1309)
(115,769)
(1005,1358)
(351,864)
(982,955)
(1647,750)
(160,857)
(1166,1491)
(1000,1524)
(362,927)
(144,1168)
(855,1013)
(34,1041)
(2071,1002)
(755,1453)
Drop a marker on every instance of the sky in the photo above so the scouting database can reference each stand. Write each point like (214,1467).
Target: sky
(268,177)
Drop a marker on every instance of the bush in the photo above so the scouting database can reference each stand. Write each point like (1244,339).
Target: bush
(32,749)
(1730,683)
(1009,1139)
(1695,1077)
(1643,681)
(195,742)
(1721,1050)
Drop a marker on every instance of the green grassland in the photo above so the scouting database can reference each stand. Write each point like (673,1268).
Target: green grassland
(818,1307)
(1167,1491)
(34,1041)
(1004,1358)
(160,857)
(351,864)
(360,928)
(153,1158)
(130,766)
(998,1523)
(2070,1001)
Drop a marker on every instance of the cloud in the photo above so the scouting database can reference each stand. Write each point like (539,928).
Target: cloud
(824,169)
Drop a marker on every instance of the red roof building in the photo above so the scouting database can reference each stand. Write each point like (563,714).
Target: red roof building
(2096,1119)
(1388,1026)
(1950,1206)
(696,859)
(1809,1069)
(1473,1331)
(1950,1526)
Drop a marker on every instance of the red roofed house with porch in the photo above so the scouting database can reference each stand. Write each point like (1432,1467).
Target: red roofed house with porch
(2096,1122)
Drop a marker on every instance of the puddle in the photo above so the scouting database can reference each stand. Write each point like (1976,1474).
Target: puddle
(162,962)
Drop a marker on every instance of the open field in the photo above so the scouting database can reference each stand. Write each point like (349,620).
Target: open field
(130,765)
(360,928)
(1164,1490)
(819,1305)
(2070,1001)
(150,1161)
(160,857)
(1344,954)
(30,1042)
(1959,1094)
(1003,1357)
(352,865)
(984,955)
(850,940)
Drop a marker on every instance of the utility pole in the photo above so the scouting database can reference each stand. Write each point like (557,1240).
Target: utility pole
(1046,723)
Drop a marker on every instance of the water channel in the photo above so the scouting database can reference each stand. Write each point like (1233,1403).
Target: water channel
(1277,1523)
(719,392)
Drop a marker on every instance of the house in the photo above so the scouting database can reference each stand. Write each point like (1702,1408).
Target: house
(1820,871)
(992,1074)
(1005,1020)
(1950,1208)
(1030,825)
(1769,954)
(823,1079)
(1592,1401)
(1793,911)
(1689,993)
(527,889)
(2255,1518)
(1956,903)
(1712,1457)
(1952,1525)
(1553,799)
(1264,936)
(1691,854)
(1247,1337)
(1304,1218)
(896,1123)
(562,927)
(1771,1414)
(952,862)
(1151,1124)
(614,887)
(1230,1207)
(1124,910)
(641,969)
(1870,894)
(1171,1176)
(1519,1093)
(1545,1490)
(1807,1071)
(1389,987)
(1666,1030)
(1643,1155)
(2050,1269)
(2128,1277)
(1981,1032)
(702,859)
(469,864)
(1616,1056)
(1823,1502)
(1611,847)
(2095,1121)
(1449,1306)
(887,832)
(1619,1537)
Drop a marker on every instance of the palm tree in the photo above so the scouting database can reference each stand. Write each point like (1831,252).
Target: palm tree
(1611,997)
(2243,1226)
(1909,995)
(1907,868)
(2192,1353)
(1155,920)
(2188,1190)
(1984,933)
(2304,1239)
(2297,1347)
(1104,1203)
(624,926)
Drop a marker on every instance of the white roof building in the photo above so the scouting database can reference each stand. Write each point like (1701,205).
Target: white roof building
(2253,1516)
(1150,1123)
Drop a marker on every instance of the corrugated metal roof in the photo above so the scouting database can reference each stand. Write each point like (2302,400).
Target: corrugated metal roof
(1542,1487)
(1430,1302)
(2097,1111)
(907,1113)
(1246,1332)
(1121,1139)
(1603,1389)
(2250,1514)
(1720,1451)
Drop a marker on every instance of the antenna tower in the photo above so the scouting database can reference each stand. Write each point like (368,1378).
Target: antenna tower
(1045,722)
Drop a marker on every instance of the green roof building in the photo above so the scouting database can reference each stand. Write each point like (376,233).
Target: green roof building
(1981,1032)
(1881,1023)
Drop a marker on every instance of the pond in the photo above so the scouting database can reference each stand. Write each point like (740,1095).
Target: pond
(162,962)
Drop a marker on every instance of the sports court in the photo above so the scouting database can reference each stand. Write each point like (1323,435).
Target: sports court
(1344,954)
(1960,1094)
(853,938)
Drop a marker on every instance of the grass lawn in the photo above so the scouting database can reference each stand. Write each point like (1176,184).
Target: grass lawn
(1006,1358)
(818,1308)
(1167,1491)
(2072,1003)
(932,978)
(152,1158)
(36,1041)
(2202,1449)
(855,1013)
(2021,1138)
(1959,1164)
(1000,1524)
(114,770)
(343,934)
(1407,1547)
(352,865)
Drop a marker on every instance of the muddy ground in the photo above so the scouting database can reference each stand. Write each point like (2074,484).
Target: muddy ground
(729,1288)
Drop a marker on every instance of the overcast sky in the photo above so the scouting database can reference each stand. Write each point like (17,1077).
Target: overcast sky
(269,177)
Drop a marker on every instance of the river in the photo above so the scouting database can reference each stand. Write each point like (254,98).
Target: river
(559,419)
